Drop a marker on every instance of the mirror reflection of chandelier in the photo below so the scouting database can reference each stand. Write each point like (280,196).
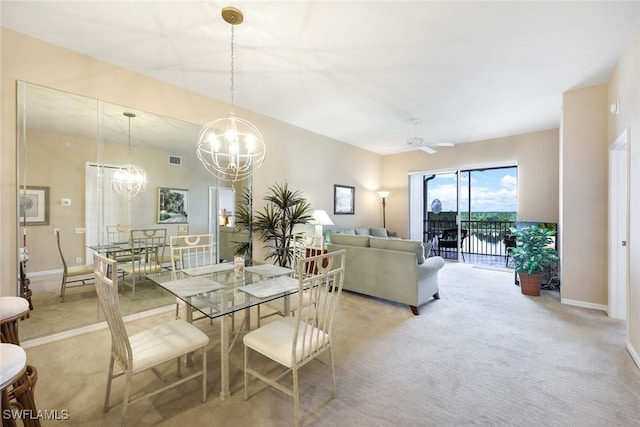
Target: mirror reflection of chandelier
(129,179)
(231,148)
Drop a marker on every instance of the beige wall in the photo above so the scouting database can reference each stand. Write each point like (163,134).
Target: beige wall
(584,196)
(536,155)
(311,163)
(624,86)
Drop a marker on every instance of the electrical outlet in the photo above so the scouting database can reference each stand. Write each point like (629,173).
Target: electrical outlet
(79,260)
(56,231)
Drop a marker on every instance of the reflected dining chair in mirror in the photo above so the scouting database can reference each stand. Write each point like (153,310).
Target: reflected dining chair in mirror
(148,247)
(120,234)
(294,341)
(82,274)
(147,349)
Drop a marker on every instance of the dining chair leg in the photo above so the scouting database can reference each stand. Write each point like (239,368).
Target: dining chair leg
(109,379)
(125,399)
(296,395)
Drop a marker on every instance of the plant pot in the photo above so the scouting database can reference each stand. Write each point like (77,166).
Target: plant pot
(530,284)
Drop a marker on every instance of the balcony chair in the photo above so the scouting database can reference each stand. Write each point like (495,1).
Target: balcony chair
(449,240)
(147,349)
(509,241)
(80,273)
(294,341)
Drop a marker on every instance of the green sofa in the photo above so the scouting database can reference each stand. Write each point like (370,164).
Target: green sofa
(391,269)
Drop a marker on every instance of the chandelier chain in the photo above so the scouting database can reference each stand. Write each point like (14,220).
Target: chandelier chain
(233,87)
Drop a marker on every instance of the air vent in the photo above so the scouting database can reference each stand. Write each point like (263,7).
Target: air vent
(175,160)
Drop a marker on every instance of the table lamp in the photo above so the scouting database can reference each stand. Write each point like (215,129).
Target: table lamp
(320,218)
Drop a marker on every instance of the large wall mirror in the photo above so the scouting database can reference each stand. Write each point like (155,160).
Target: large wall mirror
(68,148)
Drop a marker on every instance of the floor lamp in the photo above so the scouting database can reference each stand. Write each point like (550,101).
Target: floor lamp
(384,195)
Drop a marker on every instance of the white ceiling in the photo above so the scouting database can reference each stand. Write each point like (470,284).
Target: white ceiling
(358,71)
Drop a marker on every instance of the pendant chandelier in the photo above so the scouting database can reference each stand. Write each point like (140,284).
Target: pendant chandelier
(231,148)
(129,179)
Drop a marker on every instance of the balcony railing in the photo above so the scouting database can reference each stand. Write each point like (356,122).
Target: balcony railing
(483,237)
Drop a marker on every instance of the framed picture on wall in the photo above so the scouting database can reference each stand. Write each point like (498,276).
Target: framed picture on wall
(34,206)
(173,206)
(344,198)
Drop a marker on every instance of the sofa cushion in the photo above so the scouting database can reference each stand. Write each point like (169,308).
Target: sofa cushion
(378,232)
(349,231)
(362,232)
(401,245)
(345,239)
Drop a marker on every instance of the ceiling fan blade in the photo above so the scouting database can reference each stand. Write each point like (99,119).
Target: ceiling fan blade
(426,149)
(444,144)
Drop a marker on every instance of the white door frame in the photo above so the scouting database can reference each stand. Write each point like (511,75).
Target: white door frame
(618,266)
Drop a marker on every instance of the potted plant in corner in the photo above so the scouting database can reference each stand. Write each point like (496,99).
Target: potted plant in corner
(275,223)
(532,253)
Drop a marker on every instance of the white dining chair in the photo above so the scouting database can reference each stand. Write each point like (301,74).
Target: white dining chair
(146,349)
(294,341)
(304,246)
(191,251)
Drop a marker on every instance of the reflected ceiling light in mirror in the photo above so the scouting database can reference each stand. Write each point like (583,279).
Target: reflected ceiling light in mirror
(231,148)
(129,179)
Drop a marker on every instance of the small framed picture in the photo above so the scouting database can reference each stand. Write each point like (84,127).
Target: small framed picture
(344,198)
(34,206)
(173,206)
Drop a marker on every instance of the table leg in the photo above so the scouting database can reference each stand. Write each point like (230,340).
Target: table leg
(225,393)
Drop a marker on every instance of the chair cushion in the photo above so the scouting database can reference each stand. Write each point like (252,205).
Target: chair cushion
(362,232)
(165,342)
(414,246)
(275,340)
(12,306)
(14,361)
(78,270)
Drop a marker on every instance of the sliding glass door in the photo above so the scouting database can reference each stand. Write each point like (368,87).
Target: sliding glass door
(466,212)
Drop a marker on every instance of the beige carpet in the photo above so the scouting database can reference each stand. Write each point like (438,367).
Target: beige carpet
(483,355)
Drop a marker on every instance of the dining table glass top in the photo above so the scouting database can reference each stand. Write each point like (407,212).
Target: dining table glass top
(217,290)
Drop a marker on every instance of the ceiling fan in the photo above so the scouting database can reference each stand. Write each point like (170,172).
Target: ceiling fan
(419,143)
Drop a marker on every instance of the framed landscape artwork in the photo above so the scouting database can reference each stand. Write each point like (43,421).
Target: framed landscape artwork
(34,206)
(343,200)
(173,206)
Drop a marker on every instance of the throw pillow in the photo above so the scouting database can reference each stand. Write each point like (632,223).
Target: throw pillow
(362,232)
(379,232)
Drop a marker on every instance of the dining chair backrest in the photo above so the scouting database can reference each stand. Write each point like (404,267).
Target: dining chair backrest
(106,282)
(195,250)
(118,233)
(323,277)
(149,245)
(183,229)
(151,242)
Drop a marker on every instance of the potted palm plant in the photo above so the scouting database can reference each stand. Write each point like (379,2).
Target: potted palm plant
(275,223)
(533,252)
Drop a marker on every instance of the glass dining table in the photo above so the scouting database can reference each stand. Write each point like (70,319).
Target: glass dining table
(217,291)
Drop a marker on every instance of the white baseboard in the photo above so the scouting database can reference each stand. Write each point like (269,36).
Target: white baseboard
(34,342)
(43,273)
(634,354)
(583,304)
